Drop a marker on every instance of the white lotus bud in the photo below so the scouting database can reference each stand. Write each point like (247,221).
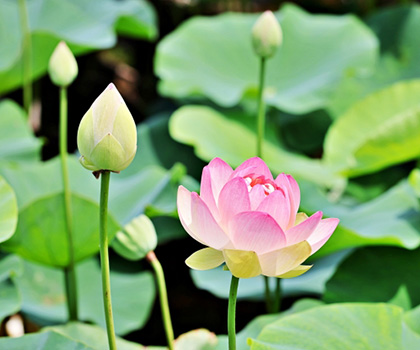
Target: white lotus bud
(62,66)
(266,35)
(107,135)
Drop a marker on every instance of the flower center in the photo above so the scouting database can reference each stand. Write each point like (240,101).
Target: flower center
(269,186)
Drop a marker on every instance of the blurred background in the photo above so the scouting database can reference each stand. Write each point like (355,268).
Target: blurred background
(177,72)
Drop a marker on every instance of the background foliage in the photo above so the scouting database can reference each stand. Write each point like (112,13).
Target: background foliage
(343,97)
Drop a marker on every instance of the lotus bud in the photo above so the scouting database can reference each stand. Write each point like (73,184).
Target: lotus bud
(107,135)
(62,66)
(136,239)
(266,35)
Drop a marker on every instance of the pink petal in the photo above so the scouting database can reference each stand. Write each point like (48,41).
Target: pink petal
(206,192)
(243,172)
(220,172)
(256,196)
(184,211)
(322,233)
(204,226)
(258,165)
(289,185)
(256,231)
(233,199)
(302,231)
(278,206)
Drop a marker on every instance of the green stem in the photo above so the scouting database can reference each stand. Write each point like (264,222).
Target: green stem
(277,296)
(268,305)
(232,312)
(70,273)
(106,284)
(261,110)
(26,55)
(260,140)
(163,296)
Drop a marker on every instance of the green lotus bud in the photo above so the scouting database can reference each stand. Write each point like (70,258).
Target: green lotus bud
(107,135)
(62,66)
(136,239)
(266,35)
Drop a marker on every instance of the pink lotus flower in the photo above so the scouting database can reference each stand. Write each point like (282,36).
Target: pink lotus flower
(250,221)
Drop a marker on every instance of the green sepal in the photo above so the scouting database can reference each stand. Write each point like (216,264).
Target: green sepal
(205,259)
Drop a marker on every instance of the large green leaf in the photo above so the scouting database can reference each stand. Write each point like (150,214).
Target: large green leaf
(213,135)
(156,147)
(340,327)
(91,335)
(17,142)
(96,27)
(10,266)
(212,57)
(43,295)
(254,328)
(389,267)
(129,196)
(35,181)
(151,187)
(396,27)
(42,341)
(10,300)
(146,185)
(379,131)
(8,211)
(412,318)
(390,219)
(41,234)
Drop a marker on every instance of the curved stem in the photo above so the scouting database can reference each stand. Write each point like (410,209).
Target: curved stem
(69,271)
(106,283)
(261,110)
(26,56)
(163,296)
(232,312)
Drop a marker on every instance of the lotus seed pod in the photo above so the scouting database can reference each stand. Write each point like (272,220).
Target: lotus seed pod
(266,35)
(62,66)
(107,135)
